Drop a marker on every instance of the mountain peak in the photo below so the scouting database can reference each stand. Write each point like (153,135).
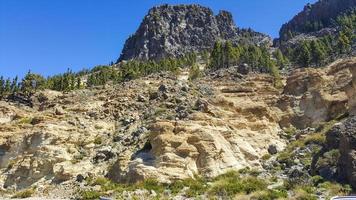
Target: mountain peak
(175,30)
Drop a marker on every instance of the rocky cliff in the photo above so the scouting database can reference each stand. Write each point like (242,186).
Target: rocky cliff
(315,17)
(173,31)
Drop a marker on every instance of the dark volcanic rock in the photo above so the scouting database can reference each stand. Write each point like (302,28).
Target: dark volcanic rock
(338,157)
(173,31)
(315,17)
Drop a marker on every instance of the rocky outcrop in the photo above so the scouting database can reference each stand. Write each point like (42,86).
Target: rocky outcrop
(351,90)
(232,129)
(313,96)
(173,31)
(315,17)
(336,160)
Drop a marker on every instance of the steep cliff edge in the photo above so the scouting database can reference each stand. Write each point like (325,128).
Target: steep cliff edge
(173,31)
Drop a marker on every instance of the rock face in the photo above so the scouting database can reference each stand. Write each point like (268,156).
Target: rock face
(173,31)
(312,96)
(336,161)
(351,90)
(232,129)
(315,17)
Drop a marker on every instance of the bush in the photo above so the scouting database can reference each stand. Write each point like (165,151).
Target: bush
(248,171)
(266,157)
(230,184)
(194,72)
(329,158)
(152,184)
(301,194)
(196,187)
(286,158)
(24,194)
(89,195)
(316,180)
(290,131)
(318,138)
(25,120)
(269,195)
(336,189)
(98,140)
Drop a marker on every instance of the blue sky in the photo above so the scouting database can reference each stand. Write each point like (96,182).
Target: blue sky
(49,36)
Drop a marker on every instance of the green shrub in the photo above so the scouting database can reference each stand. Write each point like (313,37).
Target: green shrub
(177,186)
(269,195)
(266,157)
(246,171)
(318,138)
(98,140)
(329,158)
(290,131)
(336,189)
(194,72)
(196,187)
(316,180)
(304,195)
(286,158)
(230,184)
(107,185)
(25,120)
(152,184)
(24,194)
(89,195)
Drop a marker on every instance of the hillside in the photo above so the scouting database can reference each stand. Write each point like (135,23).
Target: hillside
(195,108)
(316,17)
(320,34)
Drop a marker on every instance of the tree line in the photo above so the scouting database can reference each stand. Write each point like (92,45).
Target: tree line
(99,75)
(258,58)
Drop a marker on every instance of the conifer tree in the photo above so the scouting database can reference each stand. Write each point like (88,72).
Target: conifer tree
(2,87)
(318,53)
(14,85)
(304,57)
(216,56)
(344,43)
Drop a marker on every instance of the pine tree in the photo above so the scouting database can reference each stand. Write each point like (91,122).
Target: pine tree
(7,88)
(228,54)
(14,85)
(344,43)
(318,52)
(304,56)
(281,60)
(216,56)
(79,82)
(31,83)
(2,87)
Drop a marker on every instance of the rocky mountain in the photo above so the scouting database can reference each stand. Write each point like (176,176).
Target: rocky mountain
(179,129)
(173,31)
(326,29)
(315,17)
(167,128)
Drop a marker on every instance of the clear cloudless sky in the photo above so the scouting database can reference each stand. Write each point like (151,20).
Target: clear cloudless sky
(50,36)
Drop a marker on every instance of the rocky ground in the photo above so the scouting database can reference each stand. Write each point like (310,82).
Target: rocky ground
(163,128)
